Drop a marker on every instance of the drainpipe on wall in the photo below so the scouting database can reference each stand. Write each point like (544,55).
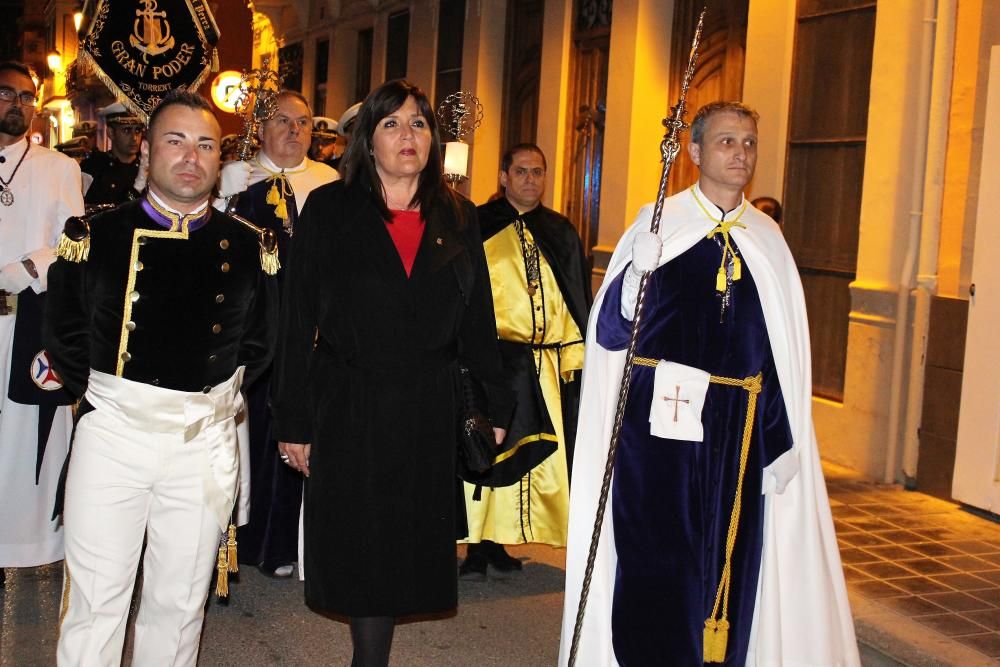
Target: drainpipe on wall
(906,278)
(930,231)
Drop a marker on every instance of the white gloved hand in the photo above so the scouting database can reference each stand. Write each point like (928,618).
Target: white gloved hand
(234,178)
(139,184)
(646,250)
(14,277)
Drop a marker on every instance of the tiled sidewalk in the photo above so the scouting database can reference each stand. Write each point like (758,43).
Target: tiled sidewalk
(926,560)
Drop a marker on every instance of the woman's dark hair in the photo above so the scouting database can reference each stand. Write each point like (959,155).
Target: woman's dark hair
(358,164)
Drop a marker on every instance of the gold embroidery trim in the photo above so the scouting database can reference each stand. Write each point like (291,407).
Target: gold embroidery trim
(130,284)
(526,440)
(65,596)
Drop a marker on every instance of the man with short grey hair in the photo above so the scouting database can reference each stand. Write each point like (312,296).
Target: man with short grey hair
(270,190)
(718,544)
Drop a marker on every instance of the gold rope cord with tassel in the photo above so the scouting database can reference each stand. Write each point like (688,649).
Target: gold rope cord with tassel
(716,626)
(723,227)
(226,561)
(234,566)
(277,196)
(716,633)
(222,572)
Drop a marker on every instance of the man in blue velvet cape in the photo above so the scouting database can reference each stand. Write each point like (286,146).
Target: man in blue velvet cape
(718,544)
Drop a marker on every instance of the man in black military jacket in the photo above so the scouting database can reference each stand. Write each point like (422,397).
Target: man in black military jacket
(159,311)
(113,173)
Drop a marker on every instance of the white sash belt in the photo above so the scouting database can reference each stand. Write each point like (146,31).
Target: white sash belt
(205,417)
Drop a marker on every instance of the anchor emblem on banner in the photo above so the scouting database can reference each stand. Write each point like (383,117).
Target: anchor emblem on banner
(151,32)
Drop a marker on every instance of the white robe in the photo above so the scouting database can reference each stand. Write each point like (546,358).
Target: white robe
(47,191)
(802,616)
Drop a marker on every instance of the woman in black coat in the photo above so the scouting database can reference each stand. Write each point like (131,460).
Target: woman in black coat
(386,292)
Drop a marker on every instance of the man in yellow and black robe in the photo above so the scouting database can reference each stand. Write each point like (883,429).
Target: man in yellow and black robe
(541,295)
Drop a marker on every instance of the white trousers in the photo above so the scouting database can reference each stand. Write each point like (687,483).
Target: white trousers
(142,466)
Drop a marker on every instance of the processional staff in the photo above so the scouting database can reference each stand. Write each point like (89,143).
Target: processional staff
(669,148)
(257,102)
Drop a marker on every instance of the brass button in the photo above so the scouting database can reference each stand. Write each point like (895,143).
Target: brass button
(212,358)
(126,356)
(216,328)
(134,296)
(141,240)
(224,244)
(219,298)
(207,389)
(225,267)
(138,266)
(130,326)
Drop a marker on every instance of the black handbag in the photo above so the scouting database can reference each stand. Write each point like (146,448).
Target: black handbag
(476,442)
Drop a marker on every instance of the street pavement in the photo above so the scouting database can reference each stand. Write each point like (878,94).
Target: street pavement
(510,622)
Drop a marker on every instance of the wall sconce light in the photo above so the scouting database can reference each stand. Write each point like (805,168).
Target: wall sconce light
(54,61)
(460,114)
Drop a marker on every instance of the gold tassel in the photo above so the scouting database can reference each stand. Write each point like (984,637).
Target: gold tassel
(708,643)
(222,568)
(73,251)
(737,268)
(281,210)
(273,197)
(716,640)
(215,59)
(231,549)
(269,262)
(720,280)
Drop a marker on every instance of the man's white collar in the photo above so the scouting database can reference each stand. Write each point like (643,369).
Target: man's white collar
(165,205)
(269,164)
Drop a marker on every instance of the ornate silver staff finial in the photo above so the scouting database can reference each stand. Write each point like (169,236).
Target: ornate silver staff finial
(257,102)
(669,148)
(460,114)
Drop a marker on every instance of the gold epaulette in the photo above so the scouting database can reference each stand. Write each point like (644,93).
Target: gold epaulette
(74,243)
(268,246)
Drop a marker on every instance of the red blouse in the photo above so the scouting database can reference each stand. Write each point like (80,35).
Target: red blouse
(406,229)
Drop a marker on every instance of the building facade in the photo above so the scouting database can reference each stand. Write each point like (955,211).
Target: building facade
(874,118)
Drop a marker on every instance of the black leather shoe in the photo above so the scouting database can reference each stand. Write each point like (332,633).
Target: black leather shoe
(499,559)
(473,568)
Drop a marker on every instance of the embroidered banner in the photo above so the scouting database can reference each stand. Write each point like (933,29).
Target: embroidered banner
(140,49)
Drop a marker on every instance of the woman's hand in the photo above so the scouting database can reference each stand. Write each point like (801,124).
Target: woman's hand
(499,434)
(295,455)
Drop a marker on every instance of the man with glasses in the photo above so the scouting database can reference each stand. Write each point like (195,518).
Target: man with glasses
(39,190)
(111,177)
